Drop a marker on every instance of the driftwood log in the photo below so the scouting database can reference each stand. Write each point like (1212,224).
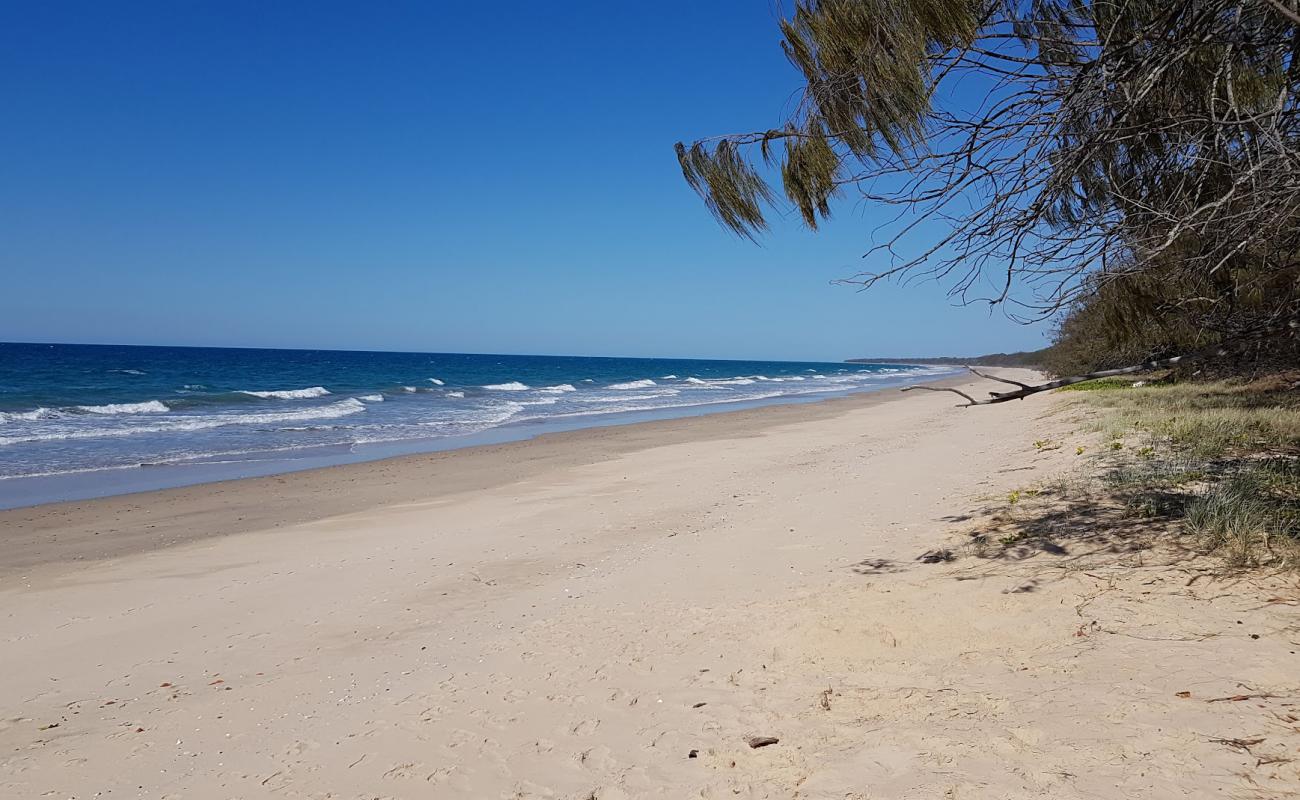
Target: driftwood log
(1025,390)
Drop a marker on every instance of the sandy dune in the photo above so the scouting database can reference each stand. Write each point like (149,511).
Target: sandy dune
(574,617)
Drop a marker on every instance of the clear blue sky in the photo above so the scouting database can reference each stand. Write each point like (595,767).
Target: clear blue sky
(477,177)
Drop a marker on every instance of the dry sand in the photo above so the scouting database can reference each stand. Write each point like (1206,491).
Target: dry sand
(574,616)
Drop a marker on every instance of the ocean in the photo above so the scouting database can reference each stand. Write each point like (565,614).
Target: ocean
(118,412)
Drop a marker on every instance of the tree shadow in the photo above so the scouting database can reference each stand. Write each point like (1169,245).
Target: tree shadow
(957,518)
(877,566)
(885,566)
(1075,527)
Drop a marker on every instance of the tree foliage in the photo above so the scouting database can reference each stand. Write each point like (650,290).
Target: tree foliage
(1139,156)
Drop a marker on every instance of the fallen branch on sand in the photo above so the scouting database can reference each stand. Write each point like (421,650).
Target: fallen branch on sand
(1026,390)
(1237,698)
(1213,351)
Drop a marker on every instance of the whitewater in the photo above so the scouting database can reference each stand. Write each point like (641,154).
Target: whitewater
(76,409)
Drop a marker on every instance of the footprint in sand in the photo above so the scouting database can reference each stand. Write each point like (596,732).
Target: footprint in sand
(404,771)
(298,748)
(599,758)
(584,728)
(543,746)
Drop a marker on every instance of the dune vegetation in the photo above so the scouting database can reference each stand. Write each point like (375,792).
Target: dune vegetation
(1188,468)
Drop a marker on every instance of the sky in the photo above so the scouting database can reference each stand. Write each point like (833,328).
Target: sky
(422,176)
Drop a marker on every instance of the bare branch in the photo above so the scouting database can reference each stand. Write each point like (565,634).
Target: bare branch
(996,378)
(1288,13)
(972,401)
(1216,350)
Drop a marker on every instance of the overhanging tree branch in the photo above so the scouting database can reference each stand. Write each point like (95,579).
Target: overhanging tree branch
(1108,138)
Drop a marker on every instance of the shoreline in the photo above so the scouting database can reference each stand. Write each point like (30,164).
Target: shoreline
(80,485)
(115,525)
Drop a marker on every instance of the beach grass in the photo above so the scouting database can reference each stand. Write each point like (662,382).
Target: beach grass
(1210,468)
(1222,458)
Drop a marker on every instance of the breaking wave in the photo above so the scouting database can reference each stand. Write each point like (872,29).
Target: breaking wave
(289,394)
(27,416)
(621,398)
(148,407)
(641,384)
(342,408)
(110,422)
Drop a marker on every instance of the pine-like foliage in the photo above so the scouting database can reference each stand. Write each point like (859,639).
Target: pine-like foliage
(1046,152)
(867,68)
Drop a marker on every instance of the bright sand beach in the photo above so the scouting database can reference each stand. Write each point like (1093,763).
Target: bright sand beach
(612,613)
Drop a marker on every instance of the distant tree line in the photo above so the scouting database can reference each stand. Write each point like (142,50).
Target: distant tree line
(1031,358)
(1130,170)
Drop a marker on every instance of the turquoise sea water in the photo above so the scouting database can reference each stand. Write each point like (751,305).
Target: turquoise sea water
(77,409)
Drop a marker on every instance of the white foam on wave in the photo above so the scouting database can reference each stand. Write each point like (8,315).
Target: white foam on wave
(668,378)
(625,407)
(558,389)
(127,371)
(72,471)
(855,377)
(409,389)
(342,408)
(147,407)
(455,394)
(737,381)
(372,398)
(175,424)
(512,386)
(289,394)
(28,416)
(477,420)
(622,398)
(641,384)
(720,383)
(436,382)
